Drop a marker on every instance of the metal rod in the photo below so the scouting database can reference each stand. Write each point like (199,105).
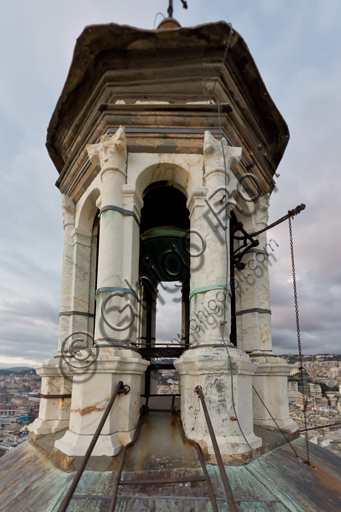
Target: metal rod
(159,410)
(170,9)
(165,481)
(291,213)
(226,483)
(201,459)
(160,345)
(192,498)
(172,406)
(68,497)
(323,426)
(41,395)
(166,394)
(162,366)
(120,467)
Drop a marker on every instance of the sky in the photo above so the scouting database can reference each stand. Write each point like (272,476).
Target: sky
(296,46)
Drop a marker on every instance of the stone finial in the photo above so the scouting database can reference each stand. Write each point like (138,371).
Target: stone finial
(262,214)
(213,154)
(68,208)
(110,152)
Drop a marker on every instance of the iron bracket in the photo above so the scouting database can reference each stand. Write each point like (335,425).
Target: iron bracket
(248,239)
(124,390)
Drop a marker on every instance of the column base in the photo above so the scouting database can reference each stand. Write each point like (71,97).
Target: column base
(234,445)
(288,425)
(271,383)
(210,368)
(91,391)
(75,445)
(54,413)
(41,427)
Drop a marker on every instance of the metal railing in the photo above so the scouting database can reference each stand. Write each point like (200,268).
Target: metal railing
(120,388)
(228,491)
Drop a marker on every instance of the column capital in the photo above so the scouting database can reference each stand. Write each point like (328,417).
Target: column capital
(68,209)
(213,155)
(110,152)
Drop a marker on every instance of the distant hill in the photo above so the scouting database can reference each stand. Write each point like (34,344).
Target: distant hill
(16,369)
(293,358)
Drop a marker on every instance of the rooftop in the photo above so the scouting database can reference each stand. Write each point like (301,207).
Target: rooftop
(279,482)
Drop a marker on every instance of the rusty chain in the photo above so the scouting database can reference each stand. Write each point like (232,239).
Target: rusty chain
(301,368)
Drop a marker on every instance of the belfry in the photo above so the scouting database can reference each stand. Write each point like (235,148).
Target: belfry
(166,143)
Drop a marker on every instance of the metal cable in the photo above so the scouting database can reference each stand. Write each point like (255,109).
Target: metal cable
(164,17)
(279,428)
(224,58)
(301,368)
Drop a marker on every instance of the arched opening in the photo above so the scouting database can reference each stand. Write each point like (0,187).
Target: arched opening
(164,258)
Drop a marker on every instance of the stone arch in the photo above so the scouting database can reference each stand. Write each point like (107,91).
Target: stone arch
(169,172)
(86,215)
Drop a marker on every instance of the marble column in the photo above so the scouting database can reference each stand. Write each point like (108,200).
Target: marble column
(111,154)
(65,327)
(54,413)
(254,324)
(252,288)
(207,362)
(82,242)
(113,358)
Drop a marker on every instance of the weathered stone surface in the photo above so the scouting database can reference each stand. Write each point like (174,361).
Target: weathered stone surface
(210,368)
(54,413)
(91,391)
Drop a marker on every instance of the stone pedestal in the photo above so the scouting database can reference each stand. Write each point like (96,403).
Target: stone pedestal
(209,368)
(54,413)
(271,382)
(91,391)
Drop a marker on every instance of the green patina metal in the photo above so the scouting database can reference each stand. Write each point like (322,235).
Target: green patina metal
(116,289)
(30,482)
(164,255)
(209,288)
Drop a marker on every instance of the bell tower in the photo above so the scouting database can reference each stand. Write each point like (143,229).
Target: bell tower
(166,143)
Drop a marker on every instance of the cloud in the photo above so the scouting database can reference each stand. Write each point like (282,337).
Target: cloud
(295,45)
(29,328)
(168,312)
